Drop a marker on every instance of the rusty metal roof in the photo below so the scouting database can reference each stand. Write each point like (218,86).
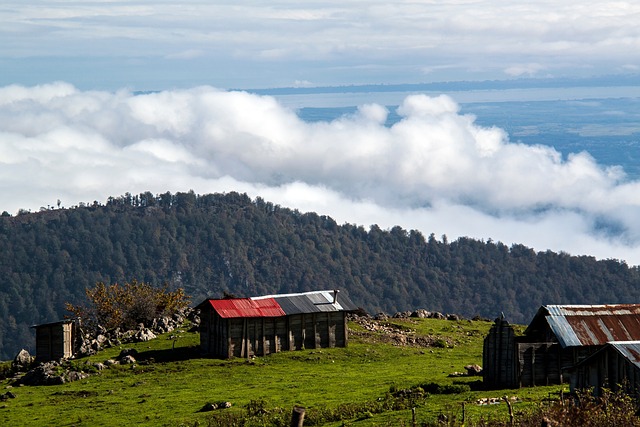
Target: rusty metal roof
(246,307)
(629,349)
(312,302)
(584,325)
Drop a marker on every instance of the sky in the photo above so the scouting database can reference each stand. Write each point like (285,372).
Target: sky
(142,45)
(73,128)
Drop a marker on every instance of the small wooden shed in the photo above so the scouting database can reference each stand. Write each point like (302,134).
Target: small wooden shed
(557,339)
(55,340)
(245,327)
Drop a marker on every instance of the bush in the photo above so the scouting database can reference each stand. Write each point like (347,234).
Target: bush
(5,370)
(116,306)
(435,388)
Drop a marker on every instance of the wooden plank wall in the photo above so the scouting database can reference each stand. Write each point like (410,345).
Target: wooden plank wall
(247,337)
(498,356)
(539,364)
(54,341)
(608,370)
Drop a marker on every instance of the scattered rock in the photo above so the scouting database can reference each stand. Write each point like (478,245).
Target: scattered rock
(101,339)
(8,395)
(421,314)
(76,376)
(397,335)
(22,361)
(127,360)
(212,406)
(473,370)
(208,407)
(495,400)
(402,315)
(49,373)
(128,352)
(144,335)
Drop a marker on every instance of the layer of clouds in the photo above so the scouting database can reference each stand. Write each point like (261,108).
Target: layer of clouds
(436,170)
(251,44)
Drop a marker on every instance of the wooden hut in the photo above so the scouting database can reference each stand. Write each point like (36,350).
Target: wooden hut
(55,340)
(245,327)
(557,339)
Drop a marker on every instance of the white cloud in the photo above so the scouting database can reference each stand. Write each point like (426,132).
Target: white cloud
(524,69)
(436,170)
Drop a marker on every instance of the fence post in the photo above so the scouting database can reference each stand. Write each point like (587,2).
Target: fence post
(413,417)
(297,416)
(506,399)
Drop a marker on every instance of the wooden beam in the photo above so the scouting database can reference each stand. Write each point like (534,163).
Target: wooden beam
(264,342)
(315,330)
(243,349)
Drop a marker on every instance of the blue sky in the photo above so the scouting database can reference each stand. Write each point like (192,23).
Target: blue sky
(73,129)
(248,44)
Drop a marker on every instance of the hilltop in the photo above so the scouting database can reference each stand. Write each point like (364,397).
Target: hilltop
(216,243)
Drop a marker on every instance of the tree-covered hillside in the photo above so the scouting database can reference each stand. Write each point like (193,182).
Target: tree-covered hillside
(227,242)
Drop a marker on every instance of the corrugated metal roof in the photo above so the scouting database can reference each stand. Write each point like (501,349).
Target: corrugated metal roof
(592,310)
(582,325)
(246,307)
(630,350)
(312,302)
(281,305)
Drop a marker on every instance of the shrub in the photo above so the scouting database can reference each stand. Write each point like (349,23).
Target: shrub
(116,306)
(435,388)
(5,370)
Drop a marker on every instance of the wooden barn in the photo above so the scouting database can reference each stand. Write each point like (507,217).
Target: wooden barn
(245,327)
(556,340)
(55,340)
(616,366)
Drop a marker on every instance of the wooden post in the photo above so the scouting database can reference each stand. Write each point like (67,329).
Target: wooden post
(264,340)
(276,341)
(506,399)
(244,340)
(413,417)
(315,330)
(297,416)
(229,348)
(304,331)
(345,328)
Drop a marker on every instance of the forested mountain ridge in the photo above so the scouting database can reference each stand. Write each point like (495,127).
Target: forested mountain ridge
(210,244)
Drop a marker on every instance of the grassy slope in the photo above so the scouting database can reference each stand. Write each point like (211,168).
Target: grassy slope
(172,389)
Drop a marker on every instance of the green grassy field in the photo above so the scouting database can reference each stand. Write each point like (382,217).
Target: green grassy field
(173,381)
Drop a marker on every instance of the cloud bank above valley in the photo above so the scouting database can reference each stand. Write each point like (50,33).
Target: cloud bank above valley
(435,170)
(246,44)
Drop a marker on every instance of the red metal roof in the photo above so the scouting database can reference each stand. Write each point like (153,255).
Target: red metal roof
(246,307)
